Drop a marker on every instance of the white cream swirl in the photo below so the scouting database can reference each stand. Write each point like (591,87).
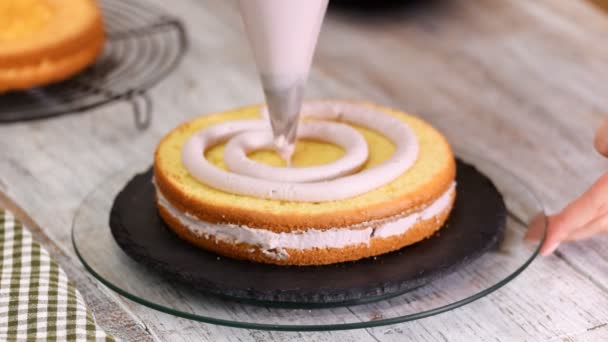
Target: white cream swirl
(334,181)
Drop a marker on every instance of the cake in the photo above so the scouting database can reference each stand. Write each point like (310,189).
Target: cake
(46,41)
(220,186)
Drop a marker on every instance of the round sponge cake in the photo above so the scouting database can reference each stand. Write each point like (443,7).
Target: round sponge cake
(46,41)
(403,211)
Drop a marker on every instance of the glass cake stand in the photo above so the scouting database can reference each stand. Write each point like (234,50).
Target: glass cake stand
(101,256)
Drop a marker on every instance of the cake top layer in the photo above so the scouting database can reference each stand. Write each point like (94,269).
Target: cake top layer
(429,177)
(22,18)
(29,28)
(338,180)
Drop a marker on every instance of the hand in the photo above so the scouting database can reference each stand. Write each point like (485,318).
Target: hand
(588,214)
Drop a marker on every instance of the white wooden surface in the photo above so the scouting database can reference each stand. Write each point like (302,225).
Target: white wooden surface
(519,82)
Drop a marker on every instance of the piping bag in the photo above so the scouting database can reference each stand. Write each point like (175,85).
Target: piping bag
(283,36)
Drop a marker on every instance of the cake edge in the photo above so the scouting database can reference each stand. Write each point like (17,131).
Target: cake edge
(315,256)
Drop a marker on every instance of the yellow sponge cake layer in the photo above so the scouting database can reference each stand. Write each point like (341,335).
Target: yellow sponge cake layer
(45,41)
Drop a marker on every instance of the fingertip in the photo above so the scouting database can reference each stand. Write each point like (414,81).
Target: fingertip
(555,233)
(536,228)
(548,248)
(601,139)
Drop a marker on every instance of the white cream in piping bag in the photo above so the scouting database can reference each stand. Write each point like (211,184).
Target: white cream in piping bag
(283,35)
(274,244)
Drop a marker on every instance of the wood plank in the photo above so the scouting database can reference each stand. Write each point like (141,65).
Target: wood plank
(519,82)
(532,307)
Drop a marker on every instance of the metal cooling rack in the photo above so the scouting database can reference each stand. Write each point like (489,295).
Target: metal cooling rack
(143,46)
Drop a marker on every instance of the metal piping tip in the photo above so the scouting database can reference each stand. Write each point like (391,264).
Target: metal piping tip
(284,105)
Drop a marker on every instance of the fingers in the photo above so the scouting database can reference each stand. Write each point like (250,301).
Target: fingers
(594,227)
(557,230)
(588,214)
(536,228)
(587,205)
(601,139)
(576,215)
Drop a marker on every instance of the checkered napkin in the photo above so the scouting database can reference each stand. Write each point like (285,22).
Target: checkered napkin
(37,301)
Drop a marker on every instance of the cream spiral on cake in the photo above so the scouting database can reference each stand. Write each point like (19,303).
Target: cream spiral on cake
(334,181)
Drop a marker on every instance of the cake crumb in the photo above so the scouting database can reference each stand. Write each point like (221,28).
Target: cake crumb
(376,315)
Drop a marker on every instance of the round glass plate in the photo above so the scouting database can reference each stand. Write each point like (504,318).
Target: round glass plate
(101,256)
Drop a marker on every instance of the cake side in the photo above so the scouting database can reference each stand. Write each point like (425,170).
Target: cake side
(50,71)
(418,230)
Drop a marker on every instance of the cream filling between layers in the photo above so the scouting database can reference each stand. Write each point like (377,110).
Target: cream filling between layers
(273,244)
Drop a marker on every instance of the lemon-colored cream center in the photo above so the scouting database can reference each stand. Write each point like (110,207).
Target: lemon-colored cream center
(312,153)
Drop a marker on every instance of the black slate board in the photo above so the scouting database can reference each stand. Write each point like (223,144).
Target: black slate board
(476,225)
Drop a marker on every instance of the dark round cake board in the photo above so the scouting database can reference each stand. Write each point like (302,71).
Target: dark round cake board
(476,225)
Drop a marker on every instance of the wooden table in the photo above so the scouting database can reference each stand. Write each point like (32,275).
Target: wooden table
(520,82)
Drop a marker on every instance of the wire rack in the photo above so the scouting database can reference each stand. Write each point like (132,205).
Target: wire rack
(144,45)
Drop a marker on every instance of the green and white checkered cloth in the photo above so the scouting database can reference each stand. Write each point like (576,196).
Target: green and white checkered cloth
(37,301)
